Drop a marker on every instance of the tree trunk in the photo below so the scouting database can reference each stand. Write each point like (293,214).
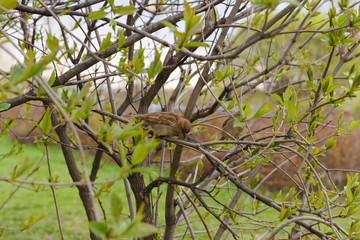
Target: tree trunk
(73,170)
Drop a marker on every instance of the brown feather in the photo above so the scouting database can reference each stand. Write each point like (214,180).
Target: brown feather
(166,123)
(229,130)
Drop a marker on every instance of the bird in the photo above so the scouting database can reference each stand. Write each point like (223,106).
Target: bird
(229,131)
(166,123)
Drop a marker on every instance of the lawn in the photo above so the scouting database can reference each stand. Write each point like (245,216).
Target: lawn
(30,201)
(27,201)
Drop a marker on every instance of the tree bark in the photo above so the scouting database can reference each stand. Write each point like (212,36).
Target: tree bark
(137,184)
(73,169)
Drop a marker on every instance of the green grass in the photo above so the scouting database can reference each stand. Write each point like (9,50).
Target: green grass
(28,202)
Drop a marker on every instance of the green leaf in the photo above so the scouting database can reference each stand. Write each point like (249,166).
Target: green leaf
(330,143)
(255,151)
(181,38)
(200,167)
(348,41)
(156,66)
(353,182)
(282,211)
(193,26)
(138,59)
(356,82)
(287,213)
(84,91)
(124,10)
(349,195)
(108,147)
(169,25)
(116,206)
(129,131)
(349,180)
(352,125)
(64,12)
(247,109)
(342,20)
(188,12)
(238,123)
(52,78)
(340,123)
(45,60)
(262,110)
(152,144)
(16,73)
(284,119)
(326,84)
(310,84)
(32,68)
(97,15)
(293,110)
(7,4)
(274,120)
(287,93)
(24,167)
(267,158)
(32,220)
(52,42)
(121,150)
(98,228)
(310,73)
(46,122)
(228,71)
(352,210)
(301,116)
(4,106)
(278,98)
(87,106)
(139,154)
(106,42)
(121,39)
(196,44)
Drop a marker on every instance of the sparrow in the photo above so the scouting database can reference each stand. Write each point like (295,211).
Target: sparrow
(229,131)
(166,123)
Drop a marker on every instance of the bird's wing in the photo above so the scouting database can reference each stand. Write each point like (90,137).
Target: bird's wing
(168,119)
(159,118)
